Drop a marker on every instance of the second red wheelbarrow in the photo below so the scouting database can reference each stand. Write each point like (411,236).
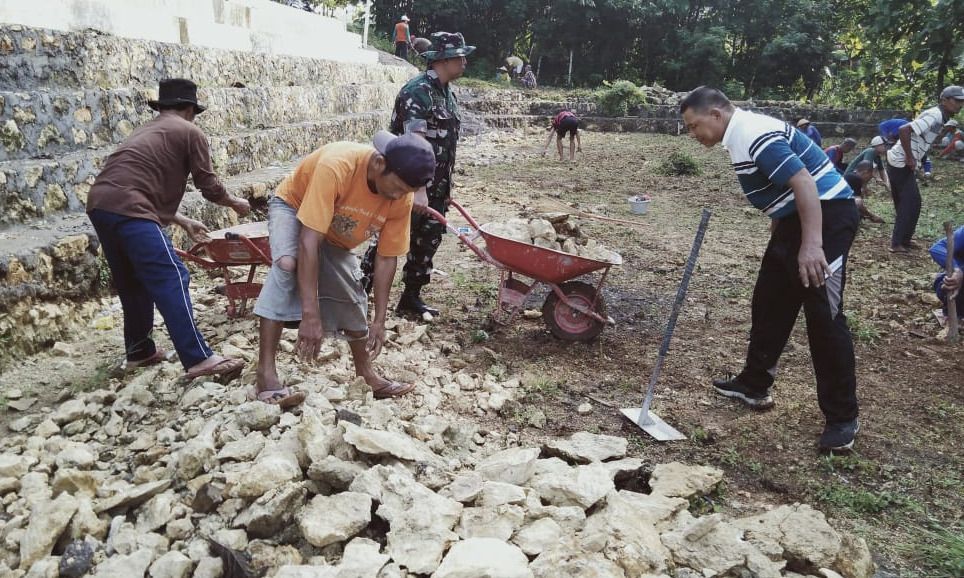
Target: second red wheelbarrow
(573,311)
(241,245)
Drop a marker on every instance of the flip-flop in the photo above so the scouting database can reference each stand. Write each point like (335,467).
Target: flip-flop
(393,389)
(899,250)
(127,367)
(226,368)
(281,397)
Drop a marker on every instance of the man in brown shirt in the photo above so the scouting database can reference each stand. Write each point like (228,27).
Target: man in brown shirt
(137,194)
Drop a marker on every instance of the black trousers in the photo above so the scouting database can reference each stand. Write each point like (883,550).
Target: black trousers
(906,195)
(777,299)
(401,50)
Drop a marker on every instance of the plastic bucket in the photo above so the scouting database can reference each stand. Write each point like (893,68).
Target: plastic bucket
(638,204)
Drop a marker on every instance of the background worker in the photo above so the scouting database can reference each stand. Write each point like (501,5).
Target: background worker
(811,131)
(137,194)
(902,159)
(873,154)
(428,106)
(563,123)
(949,286)
(515,66)
(403,38)
(857,179)
(952,142)
(836,153)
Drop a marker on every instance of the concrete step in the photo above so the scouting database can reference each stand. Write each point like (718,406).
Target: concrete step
(34,58)
(38,188)
(43,123)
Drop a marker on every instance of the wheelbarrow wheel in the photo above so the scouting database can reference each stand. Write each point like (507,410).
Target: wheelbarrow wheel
(569,324)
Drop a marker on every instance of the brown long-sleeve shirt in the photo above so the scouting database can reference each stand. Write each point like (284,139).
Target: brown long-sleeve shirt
(145,177)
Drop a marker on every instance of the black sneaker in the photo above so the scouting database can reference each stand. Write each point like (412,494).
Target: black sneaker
(733,388)
(839,436)
(411,303)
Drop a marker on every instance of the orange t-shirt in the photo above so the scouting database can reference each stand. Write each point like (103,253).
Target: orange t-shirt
(401,32)
(329,189)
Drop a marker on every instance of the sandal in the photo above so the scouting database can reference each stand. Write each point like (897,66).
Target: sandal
(227,368)
(127,366)
(393,389)
(280,397)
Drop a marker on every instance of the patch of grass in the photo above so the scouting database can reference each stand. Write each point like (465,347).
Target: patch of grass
(713,502)
(479,336)
(862,330)
(679,164)
(754,466)
(3,402)
(859,501)
(847,463)
(542,386)
(940,551)
(619,98)
(700,435)
(730,456)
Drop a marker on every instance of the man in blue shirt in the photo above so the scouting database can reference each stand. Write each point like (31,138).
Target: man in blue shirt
(949,286)
(787,176)
(811,131)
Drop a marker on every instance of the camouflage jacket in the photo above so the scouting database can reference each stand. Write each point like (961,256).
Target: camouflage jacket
(424,105)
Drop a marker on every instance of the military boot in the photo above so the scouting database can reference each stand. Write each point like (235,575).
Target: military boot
(411,303)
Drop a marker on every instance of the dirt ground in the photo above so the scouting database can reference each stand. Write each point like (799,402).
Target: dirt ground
(903,481)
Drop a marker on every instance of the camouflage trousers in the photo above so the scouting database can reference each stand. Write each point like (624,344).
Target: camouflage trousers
(426,236)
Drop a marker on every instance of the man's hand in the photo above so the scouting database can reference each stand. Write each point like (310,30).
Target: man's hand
(240,206)
(196,230)
(952,284)
(812,266)
(376,339)
(310,334)
(420,202)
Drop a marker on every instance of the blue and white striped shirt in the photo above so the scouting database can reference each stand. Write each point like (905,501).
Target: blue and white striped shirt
(766,152)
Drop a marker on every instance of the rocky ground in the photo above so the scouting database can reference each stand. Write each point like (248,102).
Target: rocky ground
(509,460)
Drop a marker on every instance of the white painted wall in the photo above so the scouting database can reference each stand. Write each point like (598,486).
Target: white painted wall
(253,25)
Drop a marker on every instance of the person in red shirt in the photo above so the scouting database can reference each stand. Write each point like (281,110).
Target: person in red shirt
(565,122)
(836,153)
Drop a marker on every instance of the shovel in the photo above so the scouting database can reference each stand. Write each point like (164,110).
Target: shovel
(648,421)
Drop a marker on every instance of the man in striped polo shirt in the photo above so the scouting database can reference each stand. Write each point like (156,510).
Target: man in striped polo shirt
(914,138)
(788,177)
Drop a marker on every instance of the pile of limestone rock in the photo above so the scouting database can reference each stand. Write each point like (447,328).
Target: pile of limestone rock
(148,476)
(553,231)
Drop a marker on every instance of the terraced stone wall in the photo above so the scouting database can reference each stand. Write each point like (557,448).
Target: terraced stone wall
(68,98)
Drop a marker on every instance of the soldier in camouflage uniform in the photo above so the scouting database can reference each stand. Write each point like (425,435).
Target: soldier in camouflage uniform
(427,105)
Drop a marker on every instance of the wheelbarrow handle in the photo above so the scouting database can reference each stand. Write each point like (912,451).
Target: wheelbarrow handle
(462,237)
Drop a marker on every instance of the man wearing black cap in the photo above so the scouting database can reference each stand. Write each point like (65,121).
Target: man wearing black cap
(337,198)
(137,194)
(914,139)
(427,105)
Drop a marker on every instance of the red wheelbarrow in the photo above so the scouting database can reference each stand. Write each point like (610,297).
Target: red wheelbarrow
(240,245)
(573,311)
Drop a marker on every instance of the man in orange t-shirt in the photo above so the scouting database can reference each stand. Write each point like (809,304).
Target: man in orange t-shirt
(403,38)
(338,197)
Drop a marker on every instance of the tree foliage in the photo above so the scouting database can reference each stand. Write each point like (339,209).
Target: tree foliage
(895,53)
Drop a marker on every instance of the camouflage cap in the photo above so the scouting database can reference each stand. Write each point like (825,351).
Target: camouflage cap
(447,45)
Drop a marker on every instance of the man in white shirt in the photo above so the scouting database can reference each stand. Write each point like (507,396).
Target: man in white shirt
(914,138)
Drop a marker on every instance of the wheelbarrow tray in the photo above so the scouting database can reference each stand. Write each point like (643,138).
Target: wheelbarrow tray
(541,263)
(235,251)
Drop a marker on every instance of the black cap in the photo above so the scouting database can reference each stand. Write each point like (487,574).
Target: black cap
(409,156)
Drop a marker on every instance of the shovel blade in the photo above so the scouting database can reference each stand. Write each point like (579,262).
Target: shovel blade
(652,424)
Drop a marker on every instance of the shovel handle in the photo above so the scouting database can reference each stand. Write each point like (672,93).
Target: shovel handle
(952,334)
